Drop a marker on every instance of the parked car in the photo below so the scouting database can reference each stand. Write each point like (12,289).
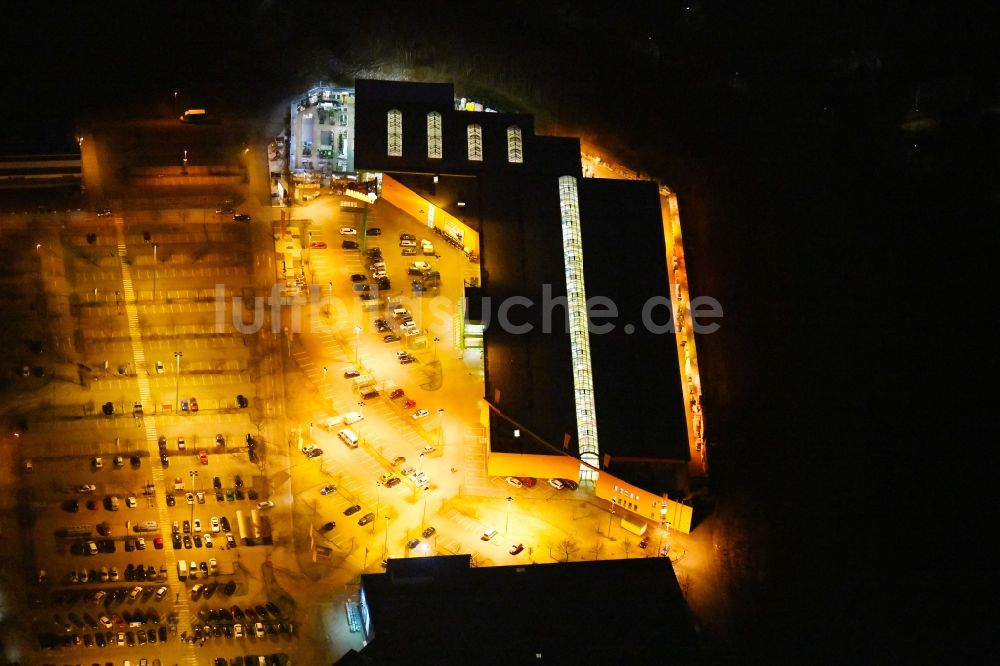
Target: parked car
(266,504)
(428,532)
(326,490)
(412,543)
(419,414)
(514,481)
(348,231)
(327,527)
(351,510)
(556,483)
(358,277)
(365,519)
(349,245)
(241,217)
(317,245)
(516,548)
(203,456)
(194,404)
(391,337)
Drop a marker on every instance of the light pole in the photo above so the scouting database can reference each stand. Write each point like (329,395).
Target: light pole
(436,341)
(420,465)
(330,285)
(510,500)
(193,473)
(175,103)
(324,373)
(357,343)
(423,517)
(611,516)
(441,428)
(385,546)
(155,245)
(378,504)
(177,382)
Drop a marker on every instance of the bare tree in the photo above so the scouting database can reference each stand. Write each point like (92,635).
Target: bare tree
(627,544)
(598,548)
(568,548)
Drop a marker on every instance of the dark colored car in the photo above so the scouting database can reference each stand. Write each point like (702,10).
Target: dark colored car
(349,245)
(392,337)
(272,608)
(327,527)
(314,453)
(373,231)
(351,373)
(242,401)
(394,481)
(241,217)
(412,543)
(358,277)
(351,510)
(428,532)
(136,461)
(365,519)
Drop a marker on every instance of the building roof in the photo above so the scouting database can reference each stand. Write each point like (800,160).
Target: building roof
(516,207)
(639,396)
(440,610)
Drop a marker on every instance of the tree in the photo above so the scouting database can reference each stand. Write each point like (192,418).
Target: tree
(568,548)
(598,548)
(627,544)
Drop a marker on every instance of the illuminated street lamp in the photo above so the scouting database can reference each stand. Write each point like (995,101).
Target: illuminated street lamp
(324,373)
(385,546)
(155,245)
(510,500)
(177,383)
(423,517)
(357,343)
(611,516)
(193,473)
(441,428)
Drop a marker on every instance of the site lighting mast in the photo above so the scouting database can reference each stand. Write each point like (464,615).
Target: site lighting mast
(177,381)
(510,500)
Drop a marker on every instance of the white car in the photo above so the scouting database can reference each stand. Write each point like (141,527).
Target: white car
(378,275)
(266,504)
(557,484)
(258,629)
(348,231)
(238,630)
(352,417)
(406,242)
(419,414)
(514,481)
(159,367)
(213,566)
(140,543)
(105,621)
(215,524)
(130,502)
(420,266)
(207,539)
(197,524)
(86,488)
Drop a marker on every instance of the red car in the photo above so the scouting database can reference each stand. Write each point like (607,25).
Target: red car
(317,245)
(527,481)
(409,404)
(158,543)
(396,393)
(194,404)
(203,456)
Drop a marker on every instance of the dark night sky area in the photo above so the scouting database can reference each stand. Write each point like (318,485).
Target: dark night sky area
(853,266)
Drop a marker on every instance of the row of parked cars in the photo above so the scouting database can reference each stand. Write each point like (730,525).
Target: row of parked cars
(529,482)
